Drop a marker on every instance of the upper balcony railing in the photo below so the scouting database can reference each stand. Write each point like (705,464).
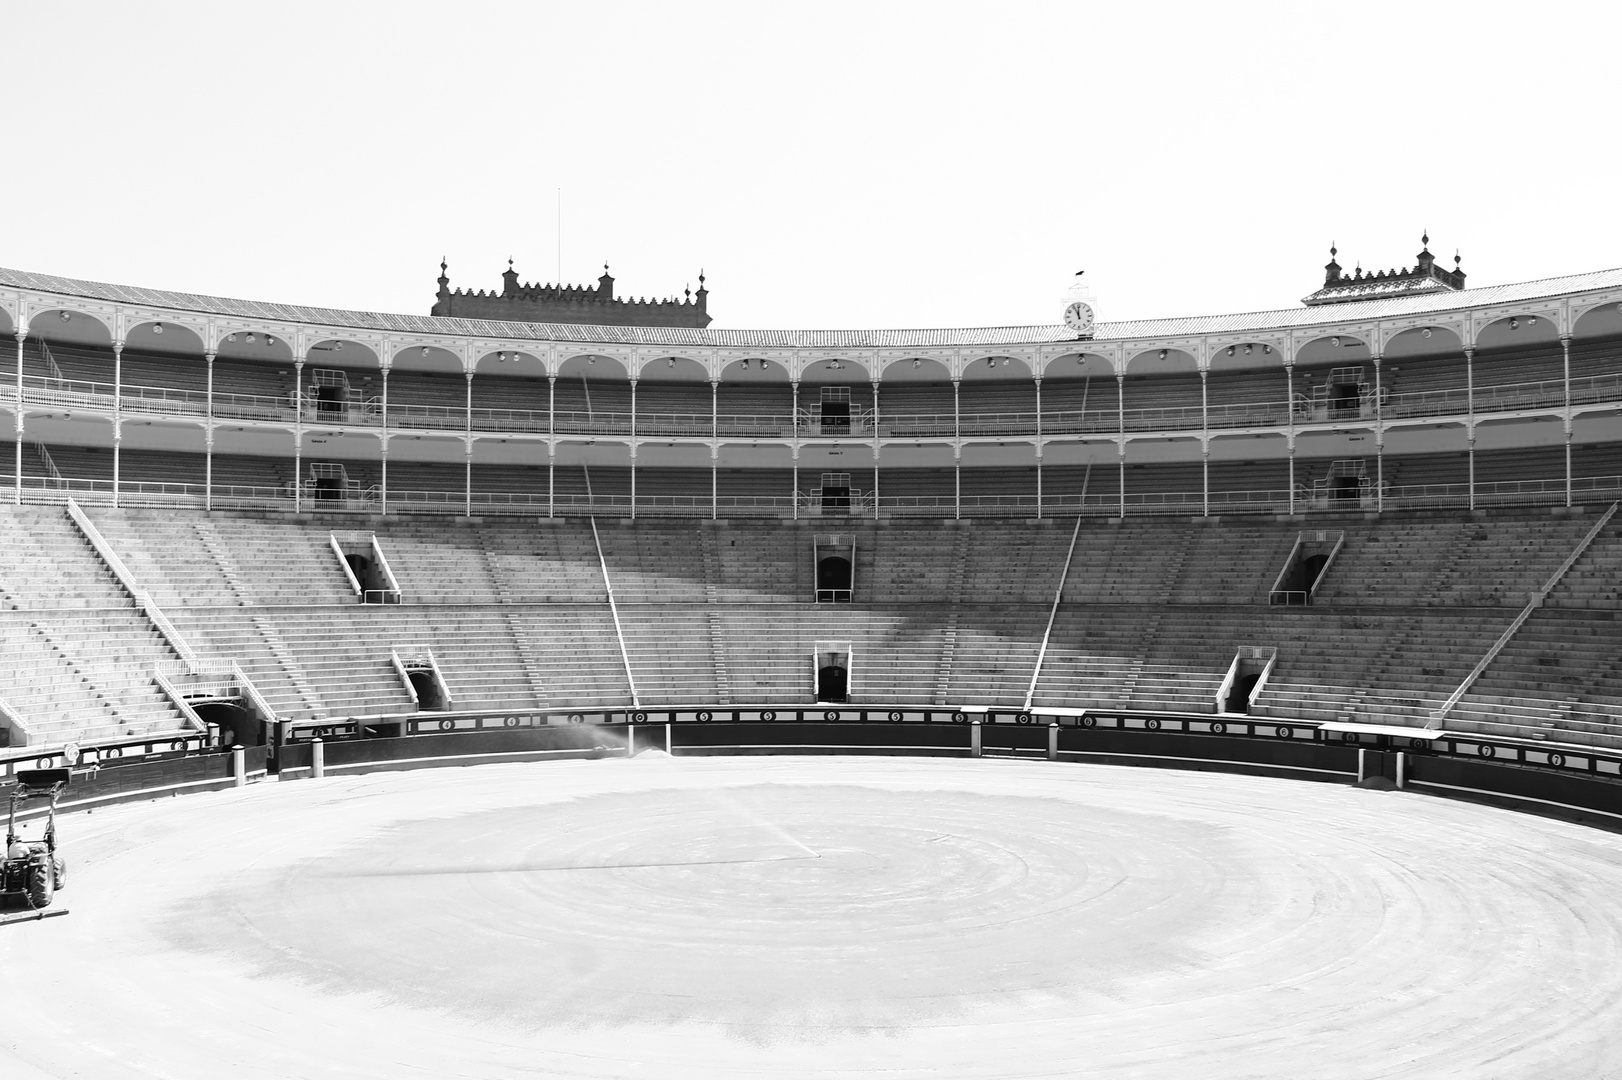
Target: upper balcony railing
(818,504)
(810,424)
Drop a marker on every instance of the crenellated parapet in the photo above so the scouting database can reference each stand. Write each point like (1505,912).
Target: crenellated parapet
(1424,276)
(577,304)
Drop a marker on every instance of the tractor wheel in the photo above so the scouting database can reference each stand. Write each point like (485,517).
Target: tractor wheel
(59,872)
(40,885)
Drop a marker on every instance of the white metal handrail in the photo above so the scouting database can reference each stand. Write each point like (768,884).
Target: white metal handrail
(9,713)
(1532,605)
(1053,614)
(251,692)
(143,600)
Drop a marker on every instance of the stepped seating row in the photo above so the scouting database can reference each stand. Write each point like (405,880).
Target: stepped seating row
(79,657)
(85,676)
(517,616)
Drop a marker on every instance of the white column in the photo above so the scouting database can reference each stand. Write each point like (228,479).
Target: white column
(1379,443)
(551,443)
(794,429)
(117,414)
(1205,476)
(22,335)
(1470,415)
(875,449)
(1120,437)
(1565,357)
(208,433)
(1289,412)
(1205,446)
(298,433)
(1039,448)
(957,449)
(467,453)
(383,442)
(715,446)
(633,449)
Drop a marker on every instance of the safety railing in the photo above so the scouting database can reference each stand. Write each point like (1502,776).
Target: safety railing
(156,400)
(143,600)
(21,736)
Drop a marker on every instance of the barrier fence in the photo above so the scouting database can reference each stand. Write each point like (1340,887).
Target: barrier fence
(1576,782)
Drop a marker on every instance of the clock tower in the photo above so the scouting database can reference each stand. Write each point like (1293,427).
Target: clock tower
(1080,309)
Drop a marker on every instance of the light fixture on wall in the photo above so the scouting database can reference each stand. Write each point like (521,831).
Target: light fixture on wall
(1514,324)
(269,340)
(762,364)
(1162,354)
(230,337)
(1267,350)
(745,365)
(591,359)
(1426,333)
(157,328)
(916,364)
(1531,320)
(1230,350)
(64,315)
(1249,349)
(425,350)
(670,361)
(1334,342)
(250,339)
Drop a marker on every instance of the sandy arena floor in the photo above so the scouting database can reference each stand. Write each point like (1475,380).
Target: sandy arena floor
(819,917)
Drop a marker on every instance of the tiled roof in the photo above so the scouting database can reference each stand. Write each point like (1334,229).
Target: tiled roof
(1135,330)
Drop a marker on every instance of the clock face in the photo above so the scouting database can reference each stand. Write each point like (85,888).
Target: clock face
(1079,317)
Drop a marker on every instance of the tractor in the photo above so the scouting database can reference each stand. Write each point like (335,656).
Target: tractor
(33,871)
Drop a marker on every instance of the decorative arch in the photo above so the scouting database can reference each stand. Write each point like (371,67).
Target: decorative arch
(916,369)
(1248,355)
(672,366)
(162,333)
(594,366)
(1078,365)
(1161,360)
(1334,346)
(1429,340)
(835,369)
(342,352)
(71,323)
(253,344)
(1602,319)
(509,360)
(998,367)
(748,369)
(436,359)
(1530,327)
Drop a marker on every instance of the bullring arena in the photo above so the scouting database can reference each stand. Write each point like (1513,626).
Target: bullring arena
(1217,696)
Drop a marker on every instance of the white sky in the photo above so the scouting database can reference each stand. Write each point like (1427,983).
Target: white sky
(828,164)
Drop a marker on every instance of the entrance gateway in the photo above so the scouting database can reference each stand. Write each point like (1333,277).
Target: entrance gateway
(830,666)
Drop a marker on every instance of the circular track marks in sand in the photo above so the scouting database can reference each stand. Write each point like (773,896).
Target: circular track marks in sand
(821,917)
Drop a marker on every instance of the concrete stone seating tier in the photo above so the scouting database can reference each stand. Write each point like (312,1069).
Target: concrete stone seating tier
(755,492)
(508,388)
(1161,402)
(1246,398)
(1441,560)
(1071,404)
(516,613)
(79,657)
